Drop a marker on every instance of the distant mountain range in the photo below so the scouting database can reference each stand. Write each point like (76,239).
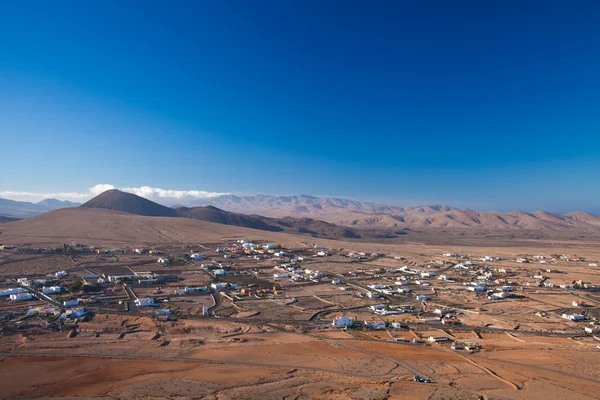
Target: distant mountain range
(132,204)
(25,209)
(322,216)
(365,215)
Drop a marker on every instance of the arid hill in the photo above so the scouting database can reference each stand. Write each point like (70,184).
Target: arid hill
(129,203)
(96,226)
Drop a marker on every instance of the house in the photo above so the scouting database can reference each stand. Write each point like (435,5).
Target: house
(398,325)
(573,317)
(443,278)
(139,251)
(342,322)
(372,295)
(323,254)
(378,325)
(592,265)
(592,329)
(61,274)
(9,291)
(51,289)
(197,257)
(163,260)
(422,298)
(269,246)
(281,276)
(337,281)
(438,339)
(450,321)
(71,303)
(197,289)
(456,347)
(218,285)
(219,272)
(163,311)
(145,302)
(75,312)
(578,303)
(21,296)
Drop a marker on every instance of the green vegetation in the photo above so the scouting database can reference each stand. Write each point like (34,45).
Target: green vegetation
(75,286)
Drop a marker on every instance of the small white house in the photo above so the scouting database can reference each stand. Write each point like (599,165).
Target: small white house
(337,281)
(139,251)
(61,274)
(422,298)
(197,257)
(573,317)
(377,325)
(592,265)
(163,260)
(71,303)
(281,276)
(21,296)
(75,312)
(51,289)
(9,291)
(145,302)
(438,339)
(269,246)
(342,322)
(218,285)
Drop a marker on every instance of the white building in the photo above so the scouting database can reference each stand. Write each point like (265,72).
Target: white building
(218,285)
(437,339)
(196,289)
(9,291)
(342,322)
(281,276)
(375,324)
(337,281)
(145,302)
(196,257)
(139,251)
(71,303)
(422,298)
(75,312)
(164,260)
(573,317)
(51,289)
(61,274)
(21,296)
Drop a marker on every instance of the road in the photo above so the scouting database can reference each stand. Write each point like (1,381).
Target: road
(131,306)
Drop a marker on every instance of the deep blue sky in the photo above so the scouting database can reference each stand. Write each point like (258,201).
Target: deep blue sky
(481,104)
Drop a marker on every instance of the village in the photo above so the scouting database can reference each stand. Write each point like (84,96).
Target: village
(370,295)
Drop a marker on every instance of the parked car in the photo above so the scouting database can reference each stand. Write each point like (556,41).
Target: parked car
(418,378)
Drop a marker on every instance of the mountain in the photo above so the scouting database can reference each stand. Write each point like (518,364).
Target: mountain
(133,204)
(311,206)
(25,209)
(363,215)
(55,204)
(129,203)
(96,226)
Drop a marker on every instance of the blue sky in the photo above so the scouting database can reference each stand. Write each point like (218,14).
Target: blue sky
(488,105)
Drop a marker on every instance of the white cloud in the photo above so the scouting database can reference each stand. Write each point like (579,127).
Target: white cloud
(164,196)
